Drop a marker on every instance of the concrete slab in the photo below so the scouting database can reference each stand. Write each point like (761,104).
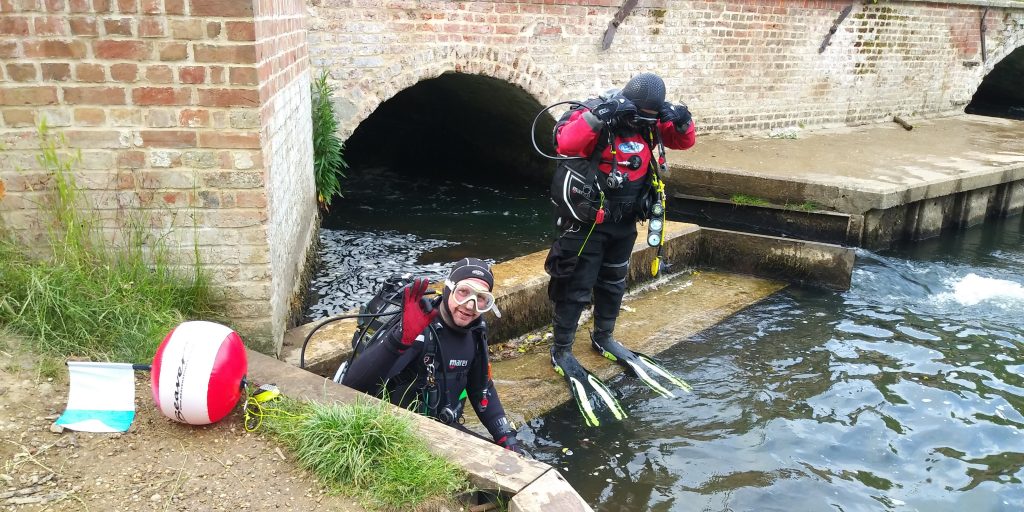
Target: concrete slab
(856,169)
(654,318)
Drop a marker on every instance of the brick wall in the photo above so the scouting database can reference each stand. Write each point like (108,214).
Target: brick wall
(287,134)
(175,106)
(742,65)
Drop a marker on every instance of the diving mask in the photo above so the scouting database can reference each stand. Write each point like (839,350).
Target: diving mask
(465,291)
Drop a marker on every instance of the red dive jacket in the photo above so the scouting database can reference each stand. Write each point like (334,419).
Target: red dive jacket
(578,137)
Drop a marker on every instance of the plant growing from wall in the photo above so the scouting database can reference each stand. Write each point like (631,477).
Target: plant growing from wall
(328,164)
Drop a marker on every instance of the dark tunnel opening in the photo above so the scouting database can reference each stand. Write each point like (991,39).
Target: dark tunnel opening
(1001,93)
(459,126)
(451,159)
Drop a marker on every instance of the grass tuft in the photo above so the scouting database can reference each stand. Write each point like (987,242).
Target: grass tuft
(365,451)
(744,199)
(84,298)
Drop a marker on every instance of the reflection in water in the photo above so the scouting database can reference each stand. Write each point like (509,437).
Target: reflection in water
(904,393)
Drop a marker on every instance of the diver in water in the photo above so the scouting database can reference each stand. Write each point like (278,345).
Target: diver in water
(614,138)
(436,356)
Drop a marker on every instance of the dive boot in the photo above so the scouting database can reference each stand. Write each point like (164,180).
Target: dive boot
(591,395)
(641,366)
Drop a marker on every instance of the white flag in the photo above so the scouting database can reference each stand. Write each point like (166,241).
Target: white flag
(101,398)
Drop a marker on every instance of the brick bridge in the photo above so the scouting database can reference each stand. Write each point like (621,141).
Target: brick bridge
(201,107)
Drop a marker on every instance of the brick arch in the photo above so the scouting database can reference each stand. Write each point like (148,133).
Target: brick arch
(368,92)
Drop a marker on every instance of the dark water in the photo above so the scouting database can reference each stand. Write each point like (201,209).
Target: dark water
(390,224)
(904,393)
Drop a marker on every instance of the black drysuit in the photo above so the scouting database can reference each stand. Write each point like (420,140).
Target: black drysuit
(388,367)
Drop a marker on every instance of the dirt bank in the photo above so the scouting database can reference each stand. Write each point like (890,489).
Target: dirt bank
(157,465)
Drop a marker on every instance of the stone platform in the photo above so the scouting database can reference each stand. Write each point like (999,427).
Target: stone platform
(891,183)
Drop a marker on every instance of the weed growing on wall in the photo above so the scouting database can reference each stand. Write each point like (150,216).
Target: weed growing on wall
(84,298)
(328,164)
(365,451)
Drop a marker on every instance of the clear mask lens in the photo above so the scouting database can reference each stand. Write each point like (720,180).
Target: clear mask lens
(482,301)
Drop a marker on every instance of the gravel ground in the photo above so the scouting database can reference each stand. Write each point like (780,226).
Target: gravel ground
(158,464)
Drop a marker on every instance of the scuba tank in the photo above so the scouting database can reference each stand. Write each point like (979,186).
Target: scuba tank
(377,315)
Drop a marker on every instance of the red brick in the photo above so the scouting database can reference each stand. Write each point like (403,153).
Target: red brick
(128,6)
(118,27)
(243,76)
(229,54)
(194,118)
(19,117)
(160,74)
(22,72)
(8,49)
(54,5)
(131,160)
(213,29)
(168,138)
(161,96)
(174,6)
(229,140)
(192,75)
(84,26)
(14,25)
(124,72)
(90,73)
(151,7)
(221,8)
(55,49)
(172,51)
(240,30)
(79,6)
(123,50)
(94,95)
(217,75)
(101,6)
(28,96)
(58,71)
(29,5)
(152,27)
(229,97)
(50,26)
(90,116)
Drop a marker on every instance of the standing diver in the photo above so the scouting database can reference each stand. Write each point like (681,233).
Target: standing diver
(614,141)
(431,360)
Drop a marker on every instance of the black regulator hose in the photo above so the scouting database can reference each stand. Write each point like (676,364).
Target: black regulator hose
(533,129)
(302,353)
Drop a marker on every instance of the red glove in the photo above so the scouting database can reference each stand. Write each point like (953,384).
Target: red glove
(414,319)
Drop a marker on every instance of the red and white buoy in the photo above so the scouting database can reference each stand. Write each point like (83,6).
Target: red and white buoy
(198,371)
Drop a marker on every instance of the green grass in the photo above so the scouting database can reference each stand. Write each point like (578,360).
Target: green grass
(746,200)
(365,451)
(84,298)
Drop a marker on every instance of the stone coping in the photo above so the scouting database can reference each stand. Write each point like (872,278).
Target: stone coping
(535,486)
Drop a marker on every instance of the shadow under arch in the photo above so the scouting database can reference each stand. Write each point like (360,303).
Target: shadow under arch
(457,126)
(451,158)
(1001,93)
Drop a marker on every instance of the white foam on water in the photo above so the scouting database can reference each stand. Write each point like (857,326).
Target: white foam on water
(973,289)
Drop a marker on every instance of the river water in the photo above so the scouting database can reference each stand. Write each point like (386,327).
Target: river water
(904,393)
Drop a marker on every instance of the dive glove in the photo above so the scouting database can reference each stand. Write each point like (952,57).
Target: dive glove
(678,115)
(414,318)
(613,109)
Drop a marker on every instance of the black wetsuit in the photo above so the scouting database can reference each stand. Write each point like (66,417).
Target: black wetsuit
(458,365)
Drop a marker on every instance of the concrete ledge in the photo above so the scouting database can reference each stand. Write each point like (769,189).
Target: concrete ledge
(807,263)
(489,467)
(520,292)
